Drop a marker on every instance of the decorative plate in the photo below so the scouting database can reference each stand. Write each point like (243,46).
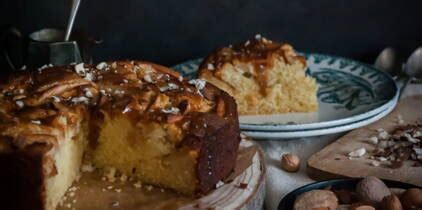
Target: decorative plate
(349,91)
(278,135)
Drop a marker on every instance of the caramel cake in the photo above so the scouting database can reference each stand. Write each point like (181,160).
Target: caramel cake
(264,77)
(142,119)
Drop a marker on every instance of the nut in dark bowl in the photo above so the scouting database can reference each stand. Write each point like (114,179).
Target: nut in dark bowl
(349,194)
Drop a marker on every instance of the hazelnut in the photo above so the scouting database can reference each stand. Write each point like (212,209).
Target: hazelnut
(290,162)
(361,206)
(316,199)
(344,196)
(372,190)
(412,198)
(343,207)
(391,202)
(397,191)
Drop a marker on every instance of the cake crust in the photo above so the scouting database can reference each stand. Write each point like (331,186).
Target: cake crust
(21,179)
(39,107)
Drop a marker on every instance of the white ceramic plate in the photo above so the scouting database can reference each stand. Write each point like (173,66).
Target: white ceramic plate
(349,91)
(280,135)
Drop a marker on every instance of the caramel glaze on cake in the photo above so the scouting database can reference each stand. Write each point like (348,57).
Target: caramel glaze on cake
(260,52)
(259,72)
(51,117)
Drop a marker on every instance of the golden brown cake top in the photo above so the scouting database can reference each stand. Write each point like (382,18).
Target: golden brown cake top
(258,51)
(37,106)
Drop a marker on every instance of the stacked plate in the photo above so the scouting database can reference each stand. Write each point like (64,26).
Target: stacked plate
(351,95)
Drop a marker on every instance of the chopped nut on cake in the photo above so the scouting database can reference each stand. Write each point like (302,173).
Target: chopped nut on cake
(127,118)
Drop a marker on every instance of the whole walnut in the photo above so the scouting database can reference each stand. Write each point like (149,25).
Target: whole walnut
(316,199)
(412,198)
(371,189)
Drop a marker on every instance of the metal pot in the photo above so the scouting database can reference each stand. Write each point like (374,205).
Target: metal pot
(46,46)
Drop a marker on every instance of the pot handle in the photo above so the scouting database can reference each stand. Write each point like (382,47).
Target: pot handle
(7,35)
(86,48)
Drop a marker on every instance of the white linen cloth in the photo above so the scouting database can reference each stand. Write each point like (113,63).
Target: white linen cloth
(278,182)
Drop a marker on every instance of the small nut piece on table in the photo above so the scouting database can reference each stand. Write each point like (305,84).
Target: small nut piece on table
(371,189)
(316,199)
(290,162)
(412,198)
(391,202)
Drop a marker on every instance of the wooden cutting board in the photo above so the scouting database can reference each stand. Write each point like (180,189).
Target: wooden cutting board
(332,161)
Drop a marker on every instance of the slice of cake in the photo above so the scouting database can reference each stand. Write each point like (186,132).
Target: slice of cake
(139,118)
(263,76)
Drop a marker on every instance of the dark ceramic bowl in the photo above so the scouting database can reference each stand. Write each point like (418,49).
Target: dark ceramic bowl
(336,184)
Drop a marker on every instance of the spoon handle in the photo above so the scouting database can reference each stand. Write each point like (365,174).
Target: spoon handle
(73,11)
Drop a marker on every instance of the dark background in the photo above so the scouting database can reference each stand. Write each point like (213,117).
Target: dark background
(169,32)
